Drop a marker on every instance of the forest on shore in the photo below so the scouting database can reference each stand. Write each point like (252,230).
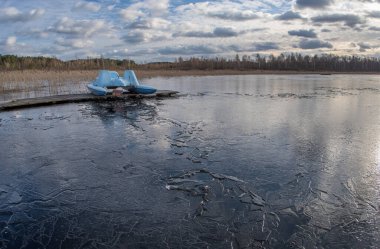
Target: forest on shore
(282,62)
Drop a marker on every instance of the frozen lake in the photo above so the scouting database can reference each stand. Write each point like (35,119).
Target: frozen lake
(264,161)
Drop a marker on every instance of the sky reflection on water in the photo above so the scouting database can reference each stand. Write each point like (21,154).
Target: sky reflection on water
(235,161)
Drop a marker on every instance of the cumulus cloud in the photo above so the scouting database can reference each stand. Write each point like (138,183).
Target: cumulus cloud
(303,33)
(85,28)
(264,46)
(12,14)
(10,41)
(217,32)
(349,20)
(316,4)
(88,6)
(145,8)
(289,15)
(142,26)
(225,10)
(314,44)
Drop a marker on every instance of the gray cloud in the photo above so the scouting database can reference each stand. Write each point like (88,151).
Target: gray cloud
(149,23)
(263,46)
(82,28)
(140,24)
(218,32)
(303,33)
(349,20)
(198,34)
(12,14)
(251,30)
(374,14)
(32,33)
(139,52)
(325,30)
(134,37)
(373,28)
(235,48)
(256,47)
(317,4)
(224,32)
(188,50)
(289,15)
(313,44)
(352,45)
(363,46)
(233,15)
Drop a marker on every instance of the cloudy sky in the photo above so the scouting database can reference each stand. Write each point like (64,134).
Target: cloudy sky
(161,30)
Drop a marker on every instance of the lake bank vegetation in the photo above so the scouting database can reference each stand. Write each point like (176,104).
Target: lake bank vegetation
(51,76)
(283,62)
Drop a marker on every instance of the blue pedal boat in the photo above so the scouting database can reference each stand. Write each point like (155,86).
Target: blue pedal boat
(109,80)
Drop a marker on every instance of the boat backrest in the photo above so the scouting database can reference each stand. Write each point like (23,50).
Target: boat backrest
(114,75)
(107,78)
(130,77)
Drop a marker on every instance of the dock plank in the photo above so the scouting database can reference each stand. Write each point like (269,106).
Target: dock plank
(72,98)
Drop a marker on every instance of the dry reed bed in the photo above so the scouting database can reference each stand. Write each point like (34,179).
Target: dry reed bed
(47,81)
(56,82)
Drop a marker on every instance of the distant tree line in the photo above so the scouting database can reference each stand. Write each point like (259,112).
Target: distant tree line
(283,62)
(13,62)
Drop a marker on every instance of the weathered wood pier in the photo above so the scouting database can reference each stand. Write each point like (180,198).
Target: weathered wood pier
(72,98)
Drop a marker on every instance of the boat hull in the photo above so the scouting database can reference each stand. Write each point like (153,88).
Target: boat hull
(97,90)
(141,89)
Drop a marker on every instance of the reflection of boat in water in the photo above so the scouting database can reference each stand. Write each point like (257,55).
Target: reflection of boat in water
(107,81)
(325,73)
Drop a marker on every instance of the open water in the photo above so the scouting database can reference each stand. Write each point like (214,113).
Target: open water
(283,161)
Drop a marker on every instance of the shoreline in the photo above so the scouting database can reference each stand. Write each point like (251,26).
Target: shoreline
(54,82)
(180,73)
(149,73)
(25,83)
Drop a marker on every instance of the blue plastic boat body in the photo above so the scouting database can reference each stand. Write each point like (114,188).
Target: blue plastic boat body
(141,89)
(110,79)
(130,77)
(97,90)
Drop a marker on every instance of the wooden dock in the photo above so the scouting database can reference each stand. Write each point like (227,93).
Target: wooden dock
(72,98)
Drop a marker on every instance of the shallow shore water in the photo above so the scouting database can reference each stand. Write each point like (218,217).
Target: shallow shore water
(260,161)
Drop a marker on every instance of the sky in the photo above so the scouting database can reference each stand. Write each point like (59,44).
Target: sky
(162,30)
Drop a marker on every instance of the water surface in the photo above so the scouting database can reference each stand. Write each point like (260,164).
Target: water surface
(234,162)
